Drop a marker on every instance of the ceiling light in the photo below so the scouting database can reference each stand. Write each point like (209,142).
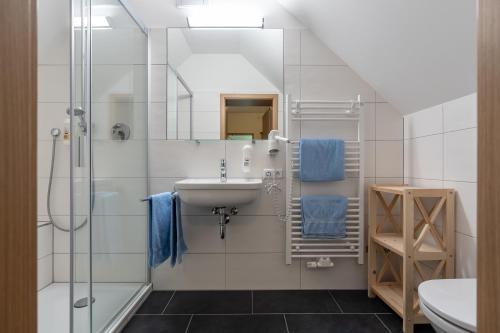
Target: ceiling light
(225,21)
(190,3)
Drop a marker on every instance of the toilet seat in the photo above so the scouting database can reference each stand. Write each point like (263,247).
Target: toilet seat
(451,302)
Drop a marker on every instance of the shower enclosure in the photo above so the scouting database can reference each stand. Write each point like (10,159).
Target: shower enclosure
(106,273)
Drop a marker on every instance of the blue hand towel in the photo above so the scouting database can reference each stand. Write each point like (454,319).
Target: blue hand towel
(165,229)
(323,216)
(321,160)
(178,246)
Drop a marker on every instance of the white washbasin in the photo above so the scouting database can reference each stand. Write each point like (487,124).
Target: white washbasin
(211,192)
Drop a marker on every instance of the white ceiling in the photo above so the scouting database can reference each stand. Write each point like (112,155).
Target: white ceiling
(415,53)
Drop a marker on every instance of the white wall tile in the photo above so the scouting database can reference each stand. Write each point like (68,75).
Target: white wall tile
(186,158)
(291,47)
(197,272)
(61,267)
(460,113)
(114,268)
(158,121)
(61,159)
(158,83)
(120,196)
(158,42)
(460,155)
(389,122)
(118,268)
(368,111)
(465,207)
(44,241)
(201,234)
(429,183)
(121,80)
(44,272)
(59,199)
(112,234)
(261,271)
(53,83)
(106,115)
(389,159)
(292,81)
(255,234)
(370,159)
(346,274)
(466,250)
(114,158)
(53,32)
(333,83)
(425,157)
(424,122)
(120,45)
(314,52)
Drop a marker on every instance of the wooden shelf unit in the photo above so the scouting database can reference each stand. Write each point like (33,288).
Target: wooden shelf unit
(399,244)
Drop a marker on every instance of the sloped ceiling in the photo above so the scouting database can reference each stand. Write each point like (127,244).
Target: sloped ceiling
(415,53)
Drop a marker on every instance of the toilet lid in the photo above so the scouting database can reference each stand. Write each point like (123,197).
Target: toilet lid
(452,299)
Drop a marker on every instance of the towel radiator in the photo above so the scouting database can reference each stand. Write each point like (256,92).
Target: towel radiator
(301,112)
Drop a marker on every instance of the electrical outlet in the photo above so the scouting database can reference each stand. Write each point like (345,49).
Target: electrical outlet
(272,173)
(268,173)
(278,173)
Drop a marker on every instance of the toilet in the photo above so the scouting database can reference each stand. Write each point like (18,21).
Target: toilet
(449,304)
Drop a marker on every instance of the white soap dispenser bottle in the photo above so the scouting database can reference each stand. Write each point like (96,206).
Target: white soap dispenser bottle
(247,159)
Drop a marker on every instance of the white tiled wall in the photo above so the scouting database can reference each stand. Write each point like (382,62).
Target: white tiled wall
(45,257)
(440,151)
(252,255)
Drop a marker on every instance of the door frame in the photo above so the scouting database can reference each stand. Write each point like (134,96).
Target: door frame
(488,182)
(18,171)
(223,113)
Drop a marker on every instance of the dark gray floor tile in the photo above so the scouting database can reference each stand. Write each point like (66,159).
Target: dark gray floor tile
(157,324)
(334,323)
(210,302)
(395,324)
(238,324)
(293,301)
(357,301)
(155,303)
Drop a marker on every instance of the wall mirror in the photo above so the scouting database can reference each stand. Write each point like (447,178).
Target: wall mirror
(224,84)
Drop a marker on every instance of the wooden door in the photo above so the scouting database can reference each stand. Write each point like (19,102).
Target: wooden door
(18,124)
(488,216)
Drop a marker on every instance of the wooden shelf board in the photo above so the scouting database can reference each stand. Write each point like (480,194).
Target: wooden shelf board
(395,243)
(392,295)
(417,191)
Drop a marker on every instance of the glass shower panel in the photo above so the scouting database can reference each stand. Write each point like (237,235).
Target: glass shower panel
(79,111)
(119,154)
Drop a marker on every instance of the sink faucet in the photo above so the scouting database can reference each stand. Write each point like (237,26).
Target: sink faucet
(223,174)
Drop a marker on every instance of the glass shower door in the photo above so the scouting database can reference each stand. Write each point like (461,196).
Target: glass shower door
(119,154)
(109,167)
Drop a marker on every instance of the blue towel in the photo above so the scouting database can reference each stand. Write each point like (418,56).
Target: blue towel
(165,229)
(321,160)
(323,216)
(177,238)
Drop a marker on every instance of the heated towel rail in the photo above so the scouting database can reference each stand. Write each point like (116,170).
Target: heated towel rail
(352,246)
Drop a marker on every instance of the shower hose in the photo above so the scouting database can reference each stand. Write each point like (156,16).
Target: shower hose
(55,133)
